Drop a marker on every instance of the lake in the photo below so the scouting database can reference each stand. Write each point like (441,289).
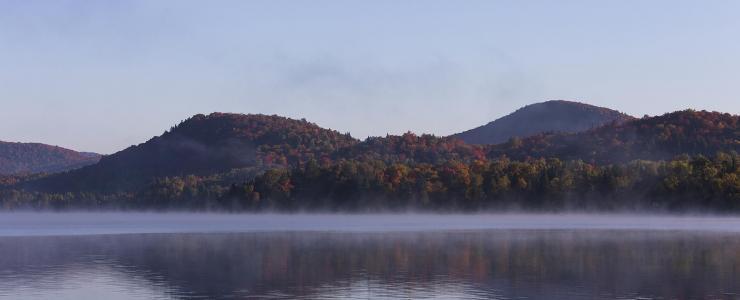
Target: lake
(406,256)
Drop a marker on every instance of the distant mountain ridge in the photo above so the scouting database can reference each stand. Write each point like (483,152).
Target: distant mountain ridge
(25,158)
(549,116)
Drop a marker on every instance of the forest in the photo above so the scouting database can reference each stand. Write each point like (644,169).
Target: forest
(686,160)
(684,183)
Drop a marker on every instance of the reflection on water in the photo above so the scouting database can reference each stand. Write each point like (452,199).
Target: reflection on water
(494,264)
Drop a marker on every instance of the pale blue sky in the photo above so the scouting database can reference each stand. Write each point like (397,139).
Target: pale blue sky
(102,75)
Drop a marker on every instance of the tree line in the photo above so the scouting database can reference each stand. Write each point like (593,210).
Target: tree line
(683,183)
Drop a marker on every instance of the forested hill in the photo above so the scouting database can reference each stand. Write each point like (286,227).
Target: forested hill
(218,143)
(255,162)
(650,138)
(26,158)
(205,144)
(549,116)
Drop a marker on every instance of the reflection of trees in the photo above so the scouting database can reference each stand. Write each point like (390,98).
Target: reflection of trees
(556,263)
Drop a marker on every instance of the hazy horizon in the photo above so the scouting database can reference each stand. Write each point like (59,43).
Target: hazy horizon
(100,76)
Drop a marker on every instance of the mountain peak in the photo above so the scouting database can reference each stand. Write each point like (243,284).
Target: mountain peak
(548,116)
(650,138)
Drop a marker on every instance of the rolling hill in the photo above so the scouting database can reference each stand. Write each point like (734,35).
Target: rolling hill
(205,144)
(219,143)
(549,116)
(27,158)
(649,138)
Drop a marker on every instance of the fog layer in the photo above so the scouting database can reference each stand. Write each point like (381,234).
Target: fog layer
(35,224)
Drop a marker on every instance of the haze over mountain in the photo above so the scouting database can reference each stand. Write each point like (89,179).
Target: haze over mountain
(549,116)
(206,144)
(25,158)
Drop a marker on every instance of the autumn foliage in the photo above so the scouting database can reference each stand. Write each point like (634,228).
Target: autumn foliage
(681,160)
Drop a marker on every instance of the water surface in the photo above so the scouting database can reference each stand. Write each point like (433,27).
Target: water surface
(403,256)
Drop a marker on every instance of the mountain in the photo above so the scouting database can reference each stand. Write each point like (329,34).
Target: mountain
(549,116)
(236,161)
(25,158)
(650,138)
(220,143)
(205,144)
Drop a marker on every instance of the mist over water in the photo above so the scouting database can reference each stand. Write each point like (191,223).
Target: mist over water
(34,224)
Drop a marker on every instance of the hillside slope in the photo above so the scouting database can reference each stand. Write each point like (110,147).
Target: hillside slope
(651,138)
(25,158)
(203,145)
(248,144)
(549,116)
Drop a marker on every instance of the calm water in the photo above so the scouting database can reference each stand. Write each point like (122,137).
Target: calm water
(59,259)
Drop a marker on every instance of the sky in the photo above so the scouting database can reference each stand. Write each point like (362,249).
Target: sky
(103,75)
